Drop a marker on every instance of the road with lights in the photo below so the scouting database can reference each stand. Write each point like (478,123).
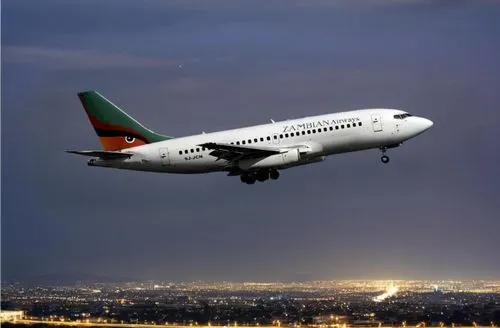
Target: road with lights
(152,325)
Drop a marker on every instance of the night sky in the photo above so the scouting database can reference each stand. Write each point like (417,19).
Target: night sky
(433,212)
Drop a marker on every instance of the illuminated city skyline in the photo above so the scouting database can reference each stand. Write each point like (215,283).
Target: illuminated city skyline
(348,302)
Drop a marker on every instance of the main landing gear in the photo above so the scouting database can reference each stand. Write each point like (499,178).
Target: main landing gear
(261,175)
(274,174)
(248,178)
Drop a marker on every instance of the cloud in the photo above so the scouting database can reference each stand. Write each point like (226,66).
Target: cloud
(80,59)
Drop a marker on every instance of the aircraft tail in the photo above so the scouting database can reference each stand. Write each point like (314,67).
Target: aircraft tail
(115,128)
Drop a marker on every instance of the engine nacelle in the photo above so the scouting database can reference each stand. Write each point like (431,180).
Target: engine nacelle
(274,161)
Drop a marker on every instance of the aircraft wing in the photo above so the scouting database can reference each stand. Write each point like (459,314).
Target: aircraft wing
(102,154)
(233,153)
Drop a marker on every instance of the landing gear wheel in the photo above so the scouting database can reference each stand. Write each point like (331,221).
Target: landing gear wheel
(247,178)
(262,175)
(274,174)
(384,159)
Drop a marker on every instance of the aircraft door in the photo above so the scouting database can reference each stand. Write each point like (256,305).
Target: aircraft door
(165,159)
(376,123)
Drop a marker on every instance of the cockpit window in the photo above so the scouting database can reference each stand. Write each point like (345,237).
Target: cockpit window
(402,116)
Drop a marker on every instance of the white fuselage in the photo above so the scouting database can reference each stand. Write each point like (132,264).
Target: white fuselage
(315,137)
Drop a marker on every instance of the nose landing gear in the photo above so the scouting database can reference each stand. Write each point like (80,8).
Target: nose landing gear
(385,159)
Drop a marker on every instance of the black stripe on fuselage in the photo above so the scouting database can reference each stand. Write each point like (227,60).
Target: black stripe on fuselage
(118,133)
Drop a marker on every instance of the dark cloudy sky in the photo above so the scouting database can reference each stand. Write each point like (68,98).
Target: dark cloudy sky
(433,212)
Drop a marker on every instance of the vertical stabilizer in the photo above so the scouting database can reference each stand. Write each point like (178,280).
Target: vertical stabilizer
(115,128)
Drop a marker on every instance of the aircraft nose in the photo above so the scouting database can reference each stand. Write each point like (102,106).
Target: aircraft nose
(426,123)
(421,124)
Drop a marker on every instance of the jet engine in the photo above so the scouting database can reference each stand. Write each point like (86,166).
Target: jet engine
(282,160)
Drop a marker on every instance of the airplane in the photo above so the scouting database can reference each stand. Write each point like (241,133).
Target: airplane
(255,153)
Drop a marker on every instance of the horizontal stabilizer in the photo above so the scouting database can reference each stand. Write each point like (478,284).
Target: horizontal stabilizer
(102,154)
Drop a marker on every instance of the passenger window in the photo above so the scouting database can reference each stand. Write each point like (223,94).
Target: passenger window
(255,140)
(353,125)
(180,152)
(359,124)
(232,143)
(314,130)
(203,149)
(192,150)
(185,151)
(275,137)
(303,133)
(249,141)
(197,150)
(243,142)
(238,143)
(308,131)
(281,136)
(261,139)
(331,128)
(342,126)
(336,127)
(286,135)
(292,134)
(268,138)
(348,125)
(325,129)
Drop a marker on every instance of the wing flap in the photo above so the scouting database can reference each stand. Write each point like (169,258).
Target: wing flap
(233,153)
(102,154)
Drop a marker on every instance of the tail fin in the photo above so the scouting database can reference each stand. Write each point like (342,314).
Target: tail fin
(115,128)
